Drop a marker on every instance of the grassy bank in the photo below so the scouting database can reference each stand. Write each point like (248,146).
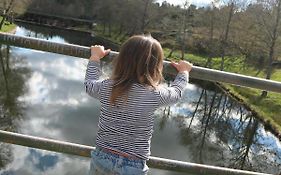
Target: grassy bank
(7,27)
(267,109)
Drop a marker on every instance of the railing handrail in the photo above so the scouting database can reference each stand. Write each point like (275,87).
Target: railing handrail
(196,72)
(85,151)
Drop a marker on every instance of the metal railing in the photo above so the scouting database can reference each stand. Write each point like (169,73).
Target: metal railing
(196,72)
(155,162)
(83,150)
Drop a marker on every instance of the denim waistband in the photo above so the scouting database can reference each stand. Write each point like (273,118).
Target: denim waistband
(109,163)
(102,152)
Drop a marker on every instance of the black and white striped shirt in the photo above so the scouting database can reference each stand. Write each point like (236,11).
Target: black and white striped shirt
(127,127)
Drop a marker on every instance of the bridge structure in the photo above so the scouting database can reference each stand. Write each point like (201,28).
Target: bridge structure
(155,162)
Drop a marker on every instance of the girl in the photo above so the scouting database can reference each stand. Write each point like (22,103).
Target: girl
(128,101)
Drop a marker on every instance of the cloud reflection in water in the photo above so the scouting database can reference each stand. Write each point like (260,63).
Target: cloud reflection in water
(56,107)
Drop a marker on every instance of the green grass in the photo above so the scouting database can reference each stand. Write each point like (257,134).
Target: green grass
(6,26)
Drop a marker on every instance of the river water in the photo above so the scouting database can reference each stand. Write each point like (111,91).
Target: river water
(42,94)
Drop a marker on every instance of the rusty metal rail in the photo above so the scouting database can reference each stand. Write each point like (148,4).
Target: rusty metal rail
(196,72)
(83,150)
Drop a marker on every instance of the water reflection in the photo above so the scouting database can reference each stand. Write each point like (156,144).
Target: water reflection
(12,79)
(57,35)
(55,107)
(37,162)
(40,161)
(221,132)
(205,127)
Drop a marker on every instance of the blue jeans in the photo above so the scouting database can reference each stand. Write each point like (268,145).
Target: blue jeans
(106,163)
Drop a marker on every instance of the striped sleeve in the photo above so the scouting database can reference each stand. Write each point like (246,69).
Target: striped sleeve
(92,82)
(172,94)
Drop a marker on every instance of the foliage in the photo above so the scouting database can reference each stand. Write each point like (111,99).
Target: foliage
(18,6)
(7,27)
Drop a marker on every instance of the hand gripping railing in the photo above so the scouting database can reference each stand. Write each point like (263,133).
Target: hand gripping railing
(196,72)
(83,150)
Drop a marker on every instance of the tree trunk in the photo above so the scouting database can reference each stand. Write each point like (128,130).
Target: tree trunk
(109,29)
(4,72)
(184,32)
(121,28)
(144,16)
(206,126)
(171,51)
(196,108)
(8,59)
(103,29)
(250,137)
(217,111)
(225,38)
(211,38)
(272,47)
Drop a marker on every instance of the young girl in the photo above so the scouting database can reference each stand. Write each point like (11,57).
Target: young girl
(128,101)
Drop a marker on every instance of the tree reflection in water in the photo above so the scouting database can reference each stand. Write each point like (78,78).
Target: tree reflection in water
(220,131)
(12,80)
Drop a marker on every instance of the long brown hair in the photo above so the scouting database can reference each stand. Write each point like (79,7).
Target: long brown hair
(140,60)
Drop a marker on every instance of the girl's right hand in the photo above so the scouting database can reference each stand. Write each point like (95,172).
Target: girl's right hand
(182,66)
(98,52)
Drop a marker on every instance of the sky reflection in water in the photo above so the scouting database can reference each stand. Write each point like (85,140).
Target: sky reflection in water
(57,107)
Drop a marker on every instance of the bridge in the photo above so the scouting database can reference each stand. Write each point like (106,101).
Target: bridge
(155,162)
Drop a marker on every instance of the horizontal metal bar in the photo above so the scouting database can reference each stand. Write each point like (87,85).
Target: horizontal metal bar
(196,72)
(83,150)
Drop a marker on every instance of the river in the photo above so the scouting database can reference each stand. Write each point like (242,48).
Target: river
(42,94)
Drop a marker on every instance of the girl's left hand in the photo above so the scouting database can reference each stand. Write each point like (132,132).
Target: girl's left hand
(98,52)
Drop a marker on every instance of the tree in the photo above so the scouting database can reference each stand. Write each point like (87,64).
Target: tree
(209,18)
(12,6)
(247,38)
(144,20)
(270,24)
(167,19)
(186,25)
(224,40)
